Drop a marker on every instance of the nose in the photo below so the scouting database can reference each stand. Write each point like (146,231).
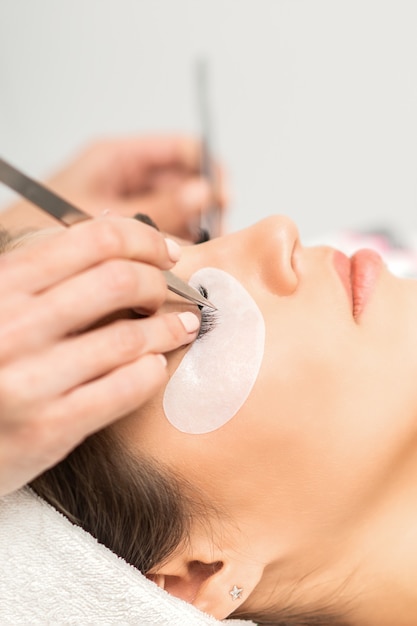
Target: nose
(266,251)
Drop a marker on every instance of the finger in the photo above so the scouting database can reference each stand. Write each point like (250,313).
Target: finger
(79,302)
(86,357)
(51,259)
(50,431)
(102,401)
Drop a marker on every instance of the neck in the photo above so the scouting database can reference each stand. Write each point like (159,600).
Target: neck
(365,575)
(387,569)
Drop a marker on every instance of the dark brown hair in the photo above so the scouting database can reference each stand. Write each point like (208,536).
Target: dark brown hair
(139,511)
(5,239)
(130,506)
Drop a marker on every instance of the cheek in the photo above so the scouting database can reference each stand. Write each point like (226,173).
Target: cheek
(300,402)
(301,381)
(318,420)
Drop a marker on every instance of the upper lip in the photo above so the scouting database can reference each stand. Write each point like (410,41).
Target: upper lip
(358,274)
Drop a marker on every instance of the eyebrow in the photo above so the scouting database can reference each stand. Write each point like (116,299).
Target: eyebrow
(6,240)
(9,241)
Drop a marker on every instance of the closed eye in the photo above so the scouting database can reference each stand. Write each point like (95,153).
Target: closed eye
(208,316)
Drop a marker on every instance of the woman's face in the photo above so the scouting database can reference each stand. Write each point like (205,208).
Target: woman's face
(333,401)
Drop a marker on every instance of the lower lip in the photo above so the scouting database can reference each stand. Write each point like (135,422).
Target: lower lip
(359,275)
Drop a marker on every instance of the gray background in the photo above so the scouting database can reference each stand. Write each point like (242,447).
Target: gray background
(314,101)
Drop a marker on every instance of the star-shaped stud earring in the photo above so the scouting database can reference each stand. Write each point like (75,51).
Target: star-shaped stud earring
(236,592)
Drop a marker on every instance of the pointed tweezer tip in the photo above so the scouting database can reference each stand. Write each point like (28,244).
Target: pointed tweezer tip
(181,288)
(209,304)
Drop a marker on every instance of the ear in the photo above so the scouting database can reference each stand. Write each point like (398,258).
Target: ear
(213,581)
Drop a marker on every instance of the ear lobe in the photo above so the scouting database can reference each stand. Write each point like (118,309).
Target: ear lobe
(224,591)
(216,581)
(217,588)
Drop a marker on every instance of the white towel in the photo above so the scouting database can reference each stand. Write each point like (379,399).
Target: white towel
(53,572)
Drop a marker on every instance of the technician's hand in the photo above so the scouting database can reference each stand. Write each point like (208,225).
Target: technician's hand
(62,374)
(156,175)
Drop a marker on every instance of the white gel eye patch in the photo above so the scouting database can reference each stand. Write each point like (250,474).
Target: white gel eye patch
(218,372)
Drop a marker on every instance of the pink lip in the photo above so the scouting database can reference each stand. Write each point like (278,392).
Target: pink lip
(359,275)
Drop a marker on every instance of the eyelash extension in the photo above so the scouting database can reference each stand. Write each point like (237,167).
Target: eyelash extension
(208,316)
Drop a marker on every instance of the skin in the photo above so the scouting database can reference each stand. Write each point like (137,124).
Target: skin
(314,478)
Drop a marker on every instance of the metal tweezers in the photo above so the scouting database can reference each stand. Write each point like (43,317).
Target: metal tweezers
(68,215)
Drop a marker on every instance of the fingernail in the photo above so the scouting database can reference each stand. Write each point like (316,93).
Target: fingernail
(190,321)
(194,195)
(162,358)
(174,250)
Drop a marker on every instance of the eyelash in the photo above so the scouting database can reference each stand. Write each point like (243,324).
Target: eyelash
(208,316)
